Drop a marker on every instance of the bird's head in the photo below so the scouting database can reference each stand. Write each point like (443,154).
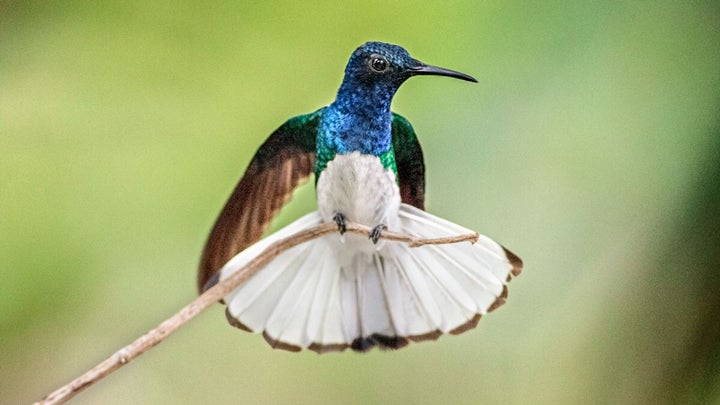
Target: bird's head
(388,66)
(360,117)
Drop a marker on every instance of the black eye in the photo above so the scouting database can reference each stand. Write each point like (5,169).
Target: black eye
(379,64)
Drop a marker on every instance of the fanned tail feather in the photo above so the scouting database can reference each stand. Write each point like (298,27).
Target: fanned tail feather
(325,295)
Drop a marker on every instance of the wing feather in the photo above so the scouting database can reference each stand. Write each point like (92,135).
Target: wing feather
(286,159)
(410,163)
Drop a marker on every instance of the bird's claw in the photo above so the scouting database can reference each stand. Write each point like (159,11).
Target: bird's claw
(376,233)
(340,221)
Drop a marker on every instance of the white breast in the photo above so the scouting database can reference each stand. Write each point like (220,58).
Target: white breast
(359,187)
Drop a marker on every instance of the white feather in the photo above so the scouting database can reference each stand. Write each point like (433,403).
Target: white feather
(329,295)
(312,294)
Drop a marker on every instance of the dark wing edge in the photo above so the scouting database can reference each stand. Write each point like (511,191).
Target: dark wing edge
(410,163)
(285,160)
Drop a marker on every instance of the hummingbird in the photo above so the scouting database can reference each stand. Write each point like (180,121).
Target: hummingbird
(350,291)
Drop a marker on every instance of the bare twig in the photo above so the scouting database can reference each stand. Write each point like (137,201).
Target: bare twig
(215,294)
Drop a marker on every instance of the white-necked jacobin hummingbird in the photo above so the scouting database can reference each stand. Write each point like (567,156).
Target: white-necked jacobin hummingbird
(338,292)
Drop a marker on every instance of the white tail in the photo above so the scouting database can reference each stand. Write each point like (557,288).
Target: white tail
(328,294)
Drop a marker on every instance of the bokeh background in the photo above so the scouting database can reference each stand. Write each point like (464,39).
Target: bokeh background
(591,147)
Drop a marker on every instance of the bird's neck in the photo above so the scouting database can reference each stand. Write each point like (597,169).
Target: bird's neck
(358,120)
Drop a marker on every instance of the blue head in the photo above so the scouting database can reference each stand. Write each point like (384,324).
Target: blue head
(380,65)
(360,117)
(376,70)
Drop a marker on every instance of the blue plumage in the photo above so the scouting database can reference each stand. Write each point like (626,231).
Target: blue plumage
(360,118)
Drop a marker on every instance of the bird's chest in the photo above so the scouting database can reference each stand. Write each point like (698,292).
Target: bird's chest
(359,187)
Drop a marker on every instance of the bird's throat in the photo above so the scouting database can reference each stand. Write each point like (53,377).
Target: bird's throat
(358,121)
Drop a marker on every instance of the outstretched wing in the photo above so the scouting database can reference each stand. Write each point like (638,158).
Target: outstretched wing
(285,159)
(409,160)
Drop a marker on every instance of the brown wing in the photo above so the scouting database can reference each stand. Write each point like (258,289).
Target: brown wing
(285,160)
(410,163)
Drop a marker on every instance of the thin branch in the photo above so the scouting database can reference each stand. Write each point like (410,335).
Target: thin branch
(215,294)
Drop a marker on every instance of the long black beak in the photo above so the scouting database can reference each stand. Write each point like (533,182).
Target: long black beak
(423,69)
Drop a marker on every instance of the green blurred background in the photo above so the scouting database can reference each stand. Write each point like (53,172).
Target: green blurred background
(591,147)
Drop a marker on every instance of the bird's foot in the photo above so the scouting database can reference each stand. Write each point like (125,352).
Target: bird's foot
(340,220)
(376,233)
